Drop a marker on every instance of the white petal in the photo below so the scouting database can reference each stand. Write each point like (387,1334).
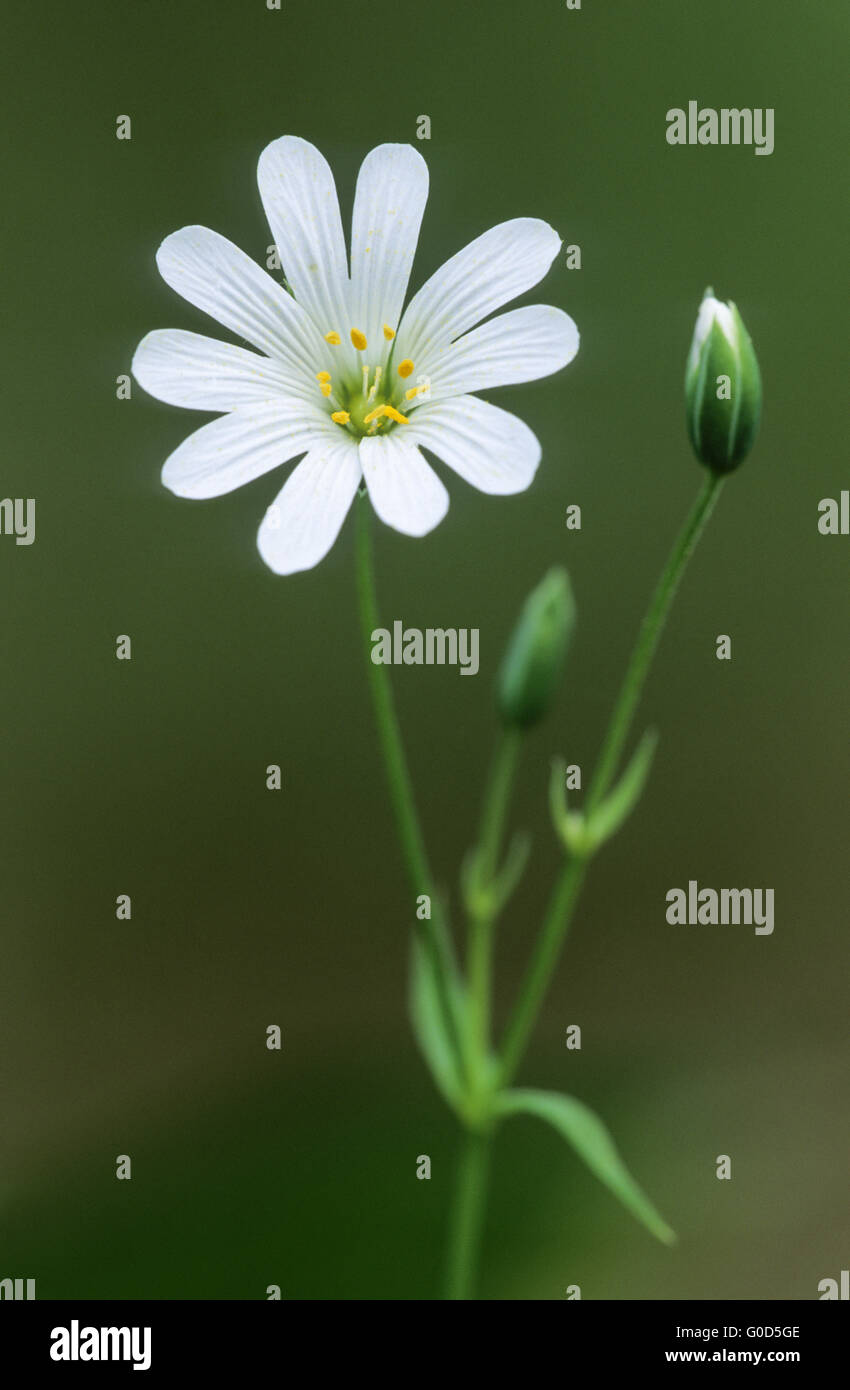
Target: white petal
(216,276)
(404,489)
(490,448)
(712,311)
(304,520)
(299,196)
(489,272)
(392,189)
(191,370)
(521,345)
(238,448)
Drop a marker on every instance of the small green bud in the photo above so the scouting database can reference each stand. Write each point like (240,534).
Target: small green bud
(722,387)
(536,652)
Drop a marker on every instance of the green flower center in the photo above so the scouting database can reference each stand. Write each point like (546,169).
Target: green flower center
(374,404)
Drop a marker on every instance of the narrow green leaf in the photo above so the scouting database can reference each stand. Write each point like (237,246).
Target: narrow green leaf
(487,897)
(619,803)
(569,825)
(578,1124)
(429,1022)
(511,871)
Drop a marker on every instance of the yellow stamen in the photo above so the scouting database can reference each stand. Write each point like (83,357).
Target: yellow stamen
(358,339)
(412,391)
(325,388)
(375,414)
(340,417)
(405,367)
(389,333)
(333,338)
(396,415)
(323,376)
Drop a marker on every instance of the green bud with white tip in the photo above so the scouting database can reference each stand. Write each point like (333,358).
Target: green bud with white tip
(722,387)
(534,660)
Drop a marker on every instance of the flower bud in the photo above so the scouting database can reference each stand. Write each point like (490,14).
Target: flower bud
(722,387)
(536,652)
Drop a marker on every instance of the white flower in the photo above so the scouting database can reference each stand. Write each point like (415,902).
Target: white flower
(342,376)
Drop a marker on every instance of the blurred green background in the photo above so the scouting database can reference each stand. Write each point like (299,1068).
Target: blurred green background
(250,908)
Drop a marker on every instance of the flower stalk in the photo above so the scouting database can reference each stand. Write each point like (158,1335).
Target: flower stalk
(566,893)
(484,896)
(433,932)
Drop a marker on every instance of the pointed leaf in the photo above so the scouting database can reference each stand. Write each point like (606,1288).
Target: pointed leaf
(581,1128)
(511,871)
(569,825)
(430,1027)
(607,818)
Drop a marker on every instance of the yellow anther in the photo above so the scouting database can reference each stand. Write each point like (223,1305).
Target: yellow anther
(358,339)
(405,367)
(412,391)
(389,333)
(333,338)
(340,417)
(325,388)
(388,410)
(323,376)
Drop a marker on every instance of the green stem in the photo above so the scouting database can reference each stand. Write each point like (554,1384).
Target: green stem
(468,1215)
(565,896)
(496,800)
(544,959)
(434,932)
(482,912)
(471,1193)
(648,637)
